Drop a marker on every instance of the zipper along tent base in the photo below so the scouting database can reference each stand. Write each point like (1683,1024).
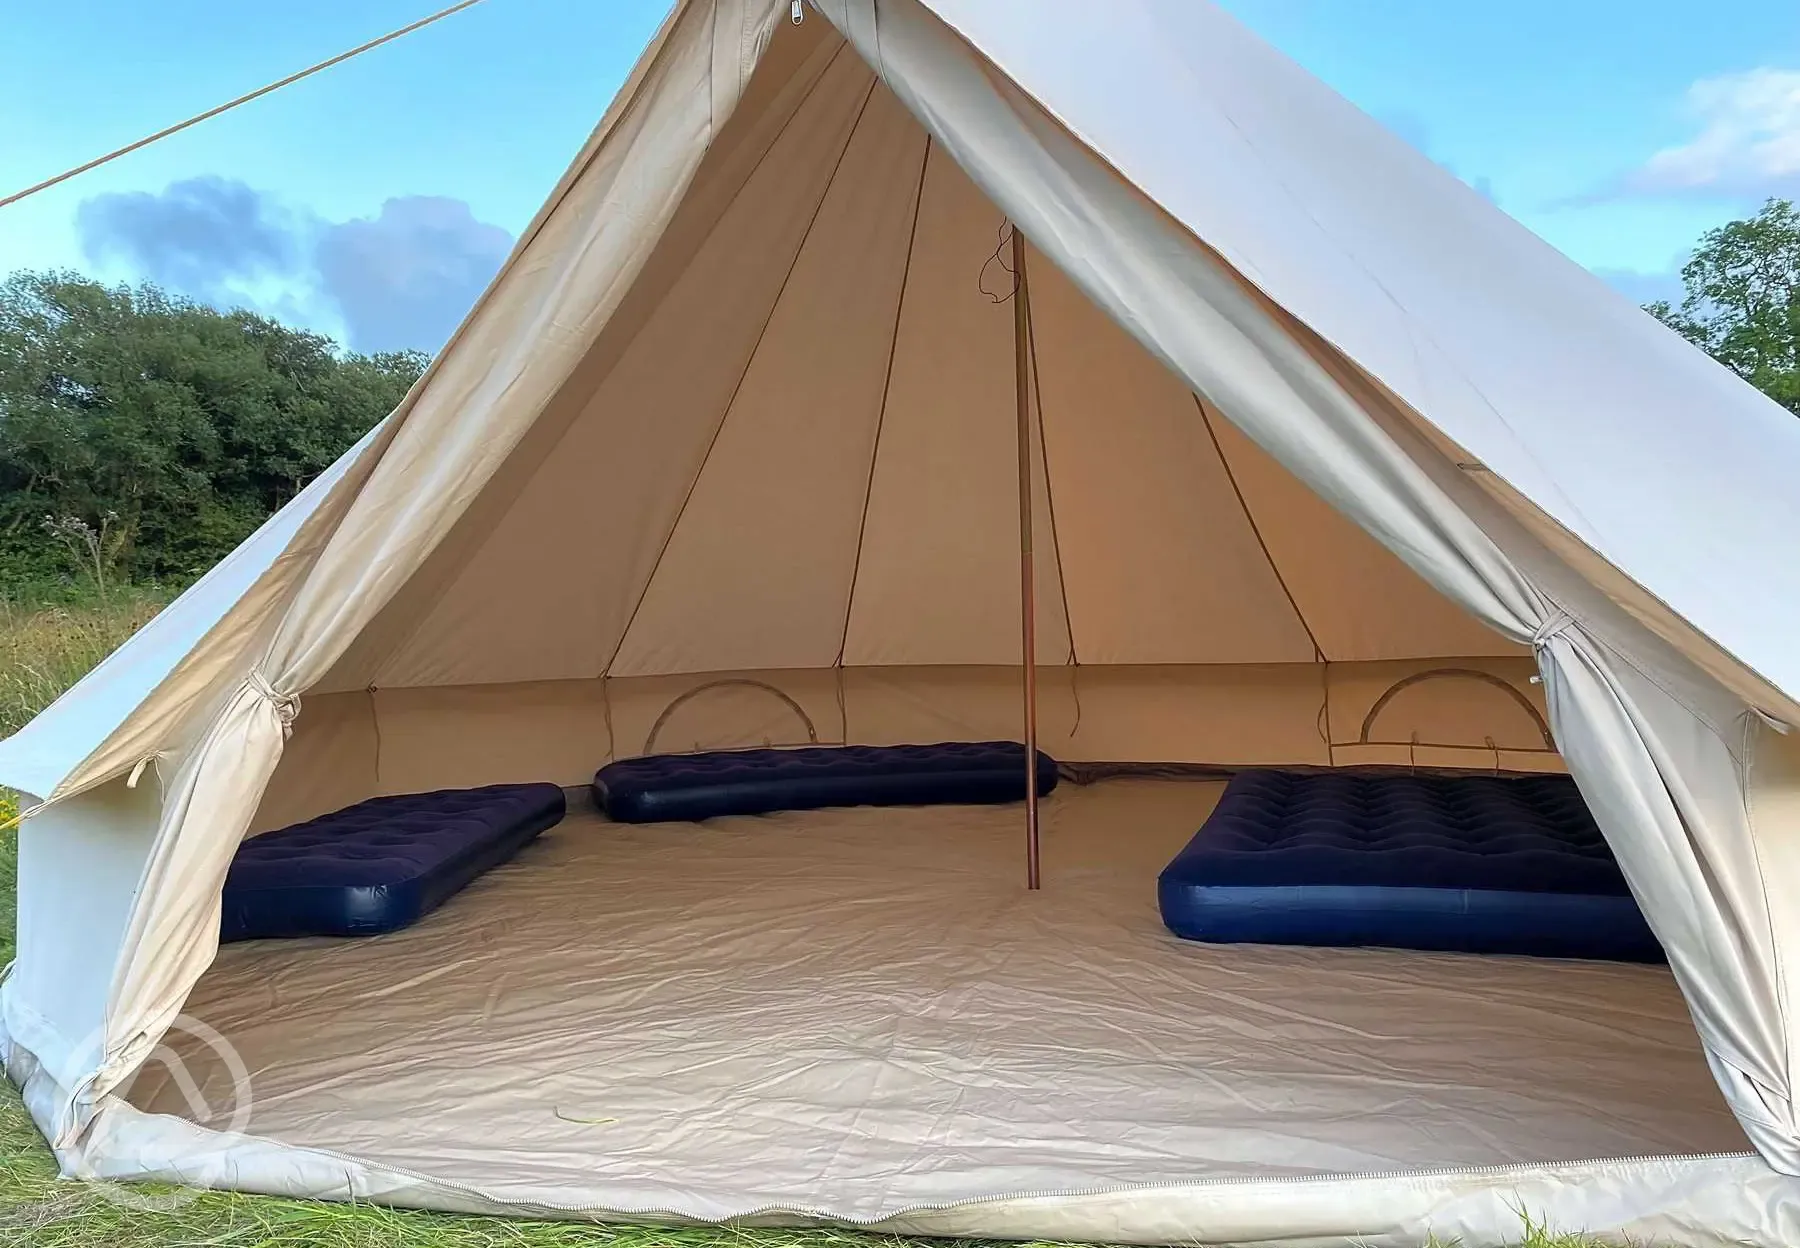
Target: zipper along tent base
(1327,463)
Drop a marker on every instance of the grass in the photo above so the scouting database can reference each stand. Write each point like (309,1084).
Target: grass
(45,649)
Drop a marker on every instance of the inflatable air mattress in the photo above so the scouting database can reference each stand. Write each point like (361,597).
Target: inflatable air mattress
(1475,864)
(668,787)
(382,864)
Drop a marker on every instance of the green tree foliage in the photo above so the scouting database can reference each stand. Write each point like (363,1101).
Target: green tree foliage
(1742,302)
(152,434)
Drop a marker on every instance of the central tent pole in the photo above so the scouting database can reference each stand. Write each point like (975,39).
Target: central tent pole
(1027,577)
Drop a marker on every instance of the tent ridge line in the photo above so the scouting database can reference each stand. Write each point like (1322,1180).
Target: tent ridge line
(743,375)
(887,384)
(1256,530)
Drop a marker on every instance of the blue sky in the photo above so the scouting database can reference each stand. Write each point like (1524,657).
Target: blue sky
(373,201)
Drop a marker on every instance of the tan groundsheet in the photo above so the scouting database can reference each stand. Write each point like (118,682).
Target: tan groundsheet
(861,1012)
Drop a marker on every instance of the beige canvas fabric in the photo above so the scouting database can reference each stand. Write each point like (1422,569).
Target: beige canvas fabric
(1328,461)
(828,486)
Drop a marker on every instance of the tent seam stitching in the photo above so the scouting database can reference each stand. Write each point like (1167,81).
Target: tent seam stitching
(436,599)
(1256,530)
(862,528)
(749,363)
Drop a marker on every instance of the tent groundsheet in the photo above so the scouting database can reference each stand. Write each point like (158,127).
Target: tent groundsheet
(1331,463)
(856,1014)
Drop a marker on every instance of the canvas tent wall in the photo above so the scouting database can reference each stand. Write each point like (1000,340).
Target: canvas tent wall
(735,422)
(820,503)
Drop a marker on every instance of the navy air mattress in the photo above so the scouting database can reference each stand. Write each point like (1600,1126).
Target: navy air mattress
(382,864)
(1475,864)
(667,787)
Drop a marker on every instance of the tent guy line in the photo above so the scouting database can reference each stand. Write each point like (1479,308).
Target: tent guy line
(226,107)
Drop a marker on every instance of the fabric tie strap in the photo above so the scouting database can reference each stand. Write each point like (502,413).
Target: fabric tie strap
(287,705)
(1553,626)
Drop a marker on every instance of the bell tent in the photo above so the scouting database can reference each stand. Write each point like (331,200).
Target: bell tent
(1320,461)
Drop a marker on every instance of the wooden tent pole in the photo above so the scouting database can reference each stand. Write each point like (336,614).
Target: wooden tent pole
(1027,569)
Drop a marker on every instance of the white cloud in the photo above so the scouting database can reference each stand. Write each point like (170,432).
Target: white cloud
(212,239)
(1749,139)
(403,278)
(406,277)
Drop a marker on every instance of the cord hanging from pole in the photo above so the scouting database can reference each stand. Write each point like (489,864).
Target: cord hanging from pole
(195,120)
(1006,232)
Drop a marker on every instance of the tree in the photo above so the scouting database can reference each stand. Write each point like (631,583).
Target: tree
(172,428)
(1742,302)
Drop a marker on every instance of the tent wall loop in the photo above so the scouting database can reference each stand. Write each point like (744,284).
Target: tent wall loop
(812,733)
(1364,737)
